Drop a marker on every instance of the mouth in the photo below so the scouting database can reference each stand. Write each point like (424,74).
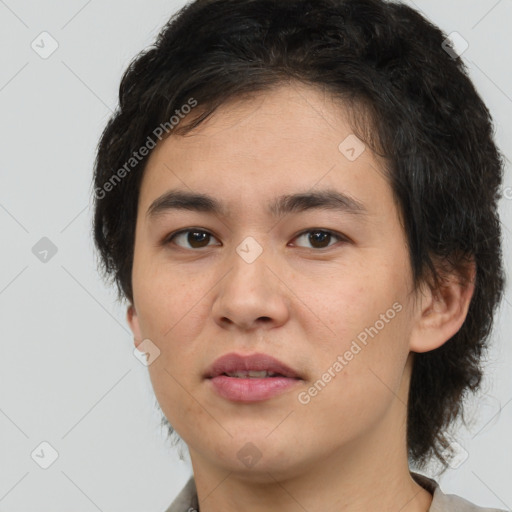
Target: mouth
(254,366)
(252,378)
(253,374)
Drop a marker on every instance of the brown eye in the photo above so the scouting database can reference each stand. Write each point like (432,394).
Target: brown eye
(198,238)
(195,238)
(319,238)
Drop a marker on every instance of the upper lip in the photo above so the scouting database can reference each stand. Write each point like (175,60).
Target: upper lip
(234,362)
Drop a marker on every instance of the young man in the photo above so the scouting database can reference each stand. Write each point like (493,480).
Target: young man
(298,200)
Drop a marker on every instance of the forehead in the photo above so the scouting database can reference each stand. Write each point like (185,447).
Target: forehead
(294,138)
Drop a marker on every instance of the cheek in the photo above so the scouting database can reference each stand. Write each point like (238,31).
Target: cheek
(167,298)
(176,403)
(366,313)
(348,302)
(359,375)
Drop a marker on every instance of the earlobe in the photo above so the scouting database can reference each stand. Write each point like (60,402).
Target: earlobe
(133,322)
(443,311)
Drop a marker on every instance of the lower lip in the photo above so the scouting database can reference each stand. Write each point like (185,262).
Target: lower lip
(251,390)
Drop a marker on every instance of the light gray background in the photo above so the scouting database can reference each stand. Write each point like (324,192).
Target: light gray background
(67,371)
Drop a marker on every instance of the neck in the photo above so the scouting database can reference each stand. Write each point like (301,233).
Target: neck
(345,481)
(326,490)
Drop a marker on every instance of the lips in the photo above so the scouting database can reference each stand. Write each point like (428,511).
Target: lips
(250,379)
(233,363)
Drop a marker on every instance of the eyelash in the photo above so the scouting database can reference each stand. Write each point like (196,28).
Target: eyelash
(170,239)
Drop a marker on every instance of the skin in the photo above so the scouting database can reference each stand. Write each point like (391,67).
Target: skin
(298,301)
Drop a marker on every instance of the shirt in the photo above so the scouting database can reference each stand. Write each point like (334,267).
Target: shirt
(187,500)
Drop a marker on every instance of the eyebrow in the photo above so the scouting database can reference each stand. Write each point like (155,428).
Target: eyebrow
(328,199)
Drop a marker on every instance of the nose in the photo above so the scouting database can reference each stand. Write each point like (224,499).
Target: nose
(252,295)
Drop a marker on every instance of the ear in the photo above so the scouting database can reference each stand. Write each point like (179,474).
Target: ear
(441,312)
(133,322)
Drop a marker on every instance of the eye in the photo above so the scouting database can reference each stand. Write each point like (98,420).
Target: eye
(320,238)
(196,238)
(199,238)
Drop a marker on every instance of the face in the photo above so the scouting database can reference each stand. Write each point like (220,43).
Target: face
(324,287)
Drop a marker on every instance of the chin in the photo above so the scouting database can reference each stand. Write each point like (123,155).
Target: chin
(252,458)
